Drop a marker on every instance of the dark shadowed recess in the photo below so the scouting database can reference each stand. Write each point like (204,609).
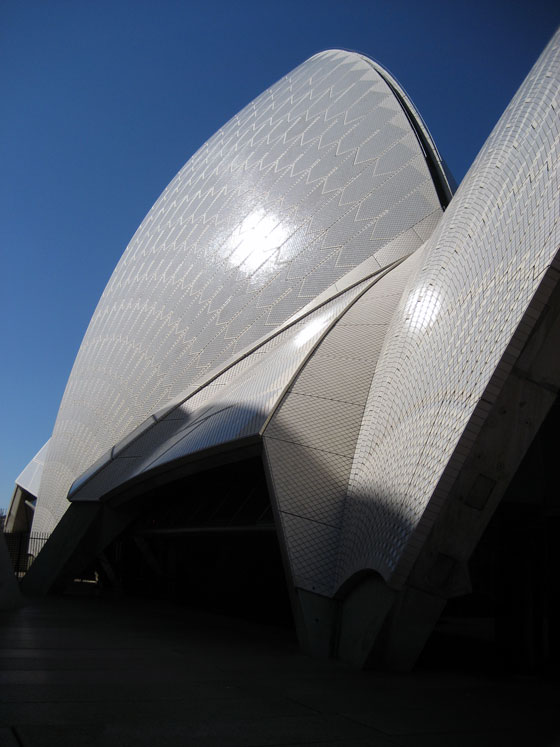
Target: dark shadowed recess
(206,541)
(511,620)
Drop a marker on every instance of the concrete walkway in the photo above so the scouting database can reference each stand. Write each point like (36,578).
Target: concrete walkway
(80,672)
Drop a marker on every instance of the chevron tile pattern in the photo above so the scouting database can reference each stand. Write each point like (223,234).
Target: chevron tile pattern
(233,406)
(317,174)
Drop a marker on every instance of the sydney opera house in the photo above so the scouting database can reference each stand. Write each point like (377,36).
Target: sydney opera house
(320,373)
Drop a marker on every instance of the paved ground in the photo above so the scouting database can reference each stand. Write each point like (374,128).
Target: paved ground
(83,672)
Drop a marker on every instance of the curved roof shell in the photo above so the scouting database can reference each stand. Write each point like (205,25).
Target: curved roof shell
(322,172)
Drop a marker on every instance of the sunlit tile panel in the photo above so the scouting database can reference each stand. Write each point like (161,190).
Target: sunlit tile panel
(30,477)
(478,273)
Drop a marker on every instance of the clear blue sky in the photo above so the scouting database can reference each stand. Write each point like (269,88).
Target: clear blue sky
(103,102)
